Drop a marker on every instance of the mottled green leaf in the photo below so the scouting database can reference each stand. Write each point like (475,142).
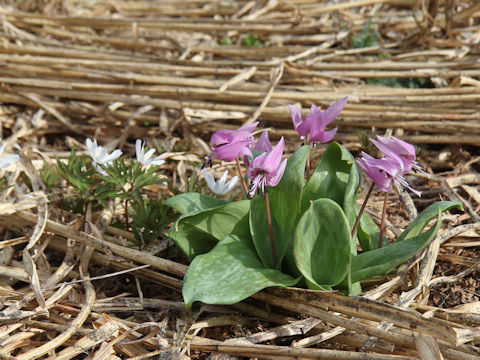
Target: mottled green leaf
(322,248)
(229,273)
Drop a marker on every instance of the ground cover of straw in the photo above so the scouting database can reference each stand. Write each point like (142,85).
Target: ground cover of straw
(173,72)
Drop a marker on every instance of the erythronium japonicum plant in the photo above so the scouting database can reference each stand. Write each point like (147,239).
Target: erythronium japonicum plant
(289,228)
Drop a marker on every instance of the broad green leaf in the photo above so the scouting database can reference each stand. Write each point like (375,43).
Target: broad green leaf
(425,216)
(382,261)
(229,273)
(198,231)
(349,204)
(193,202)
(192,241)
(350,209)
(220,221)
(322,244)
(368,233)
(284,205)
(231,218)
(330,178)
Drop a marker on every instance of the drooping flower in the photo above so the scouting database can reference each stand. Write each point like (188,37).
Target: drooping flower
(229,144)
(100,155)
(145,158)
(315,123)
(221,186)
(7,159)
(267,169)
(398,148)
(385,172)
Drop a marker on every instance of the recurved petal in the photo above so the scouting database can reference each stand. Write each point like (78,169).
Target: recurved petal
(249,128)
(273,159)
(296,114)
(263,143)
(380,178)
(323,136)
(275,177)
(334,110)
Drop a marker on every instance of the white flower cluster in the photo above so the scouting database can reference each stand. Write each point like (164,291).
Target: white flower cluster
(100,155)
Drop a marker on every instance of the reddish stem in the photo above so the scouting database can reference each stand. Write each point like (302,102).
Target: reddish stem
(270,229)
(382,224)
(362,209)
(242,179)
(307,166)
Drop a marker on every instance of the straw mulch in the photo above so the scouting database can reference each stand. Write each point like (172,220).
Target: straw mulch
(174,72)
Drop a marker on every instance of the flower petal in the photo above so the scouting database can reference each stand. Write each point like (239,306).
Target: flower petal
(323,136)
(273,159)
(296,115)
(263,143)
(334,110)
(7,160)
(275,177)
(111,157)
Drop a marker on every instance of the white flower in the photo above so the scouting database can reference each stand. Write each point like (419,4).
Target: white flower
(100,155)
(144,157)
(219,187)
(7,160)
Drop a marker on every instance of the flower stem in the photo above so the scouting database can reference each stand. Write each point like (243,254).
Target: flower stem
(382,224)
(270,229)
(307,165)
(242,179)
(362,209)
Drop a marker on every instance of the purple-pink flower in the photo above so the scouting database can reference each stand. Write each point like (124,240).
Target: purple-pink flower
(267,169)
(229,144)
(316,122)
(399,148)
(399,157)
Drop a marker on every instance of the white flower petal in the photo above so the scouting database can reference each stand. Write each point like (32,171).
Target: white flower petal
(7,160)
(156,161)
(219,187)
(2,147)
(231,184)
(107,159)
(139,150)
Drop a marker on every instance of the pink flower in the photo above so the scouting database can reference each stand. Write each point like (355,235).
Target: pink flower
(316,122)
(267,169)
(385,172)
(398,148)
(229,144)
